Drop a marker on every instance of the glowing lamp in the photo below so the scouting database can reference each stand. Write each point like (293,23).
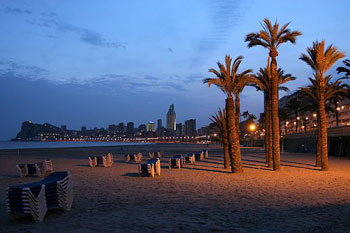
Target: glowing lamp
(252,127)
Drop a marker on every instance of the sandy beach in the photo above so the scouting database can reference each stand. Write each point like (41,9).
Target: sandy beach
(197,198)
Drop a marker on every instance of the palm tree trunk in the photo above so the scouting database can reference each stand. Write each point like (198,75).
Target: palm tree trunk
(319,142)
(238,114)
(323,128)
(235,160)
(226,153)
(269,131)
(274,116)
(266,129)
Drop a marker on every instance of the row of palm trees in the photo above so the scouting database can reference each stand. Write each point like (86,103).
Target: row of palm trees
(270,80)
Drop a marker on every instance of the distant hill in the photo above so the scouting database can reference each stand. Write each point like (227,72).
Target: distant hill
(30,130)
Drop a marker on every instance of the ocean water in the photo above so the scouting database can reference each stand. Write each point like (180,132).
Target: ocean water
(27,145)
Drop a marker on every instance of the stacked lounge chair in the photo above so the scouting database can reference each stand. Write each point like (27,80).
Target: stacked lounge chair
(137,158)
(150,168)
(55,191)
(104,160)
(155,155)
(189,158)
(199,156)
(206,154)
(41,169)
(176,161)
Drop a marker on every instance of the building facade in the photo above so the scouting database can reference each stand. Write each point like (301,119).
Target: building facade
(171,119)
(190,128)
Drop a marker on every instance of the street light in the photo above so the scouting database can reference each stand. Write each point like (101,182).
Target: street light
(252,128)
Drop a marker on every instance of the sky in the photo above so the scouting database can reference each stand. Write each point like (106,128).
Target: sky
(95,63)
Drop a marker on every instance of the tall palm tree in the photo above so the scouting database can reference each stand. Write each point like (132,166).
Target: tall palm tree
(271,37)
(264,79)
(219,119)
(333,89)
(345,69)
(226,80)
(321,60)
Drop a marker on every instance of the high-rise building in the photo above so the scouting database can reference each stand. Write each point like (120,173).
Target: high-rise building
(150,127)
(63,129)
(179,131)
(142,128)
(112,128)
(83,130)
(130,129)
(121,127)
(190,127)
(159,125)
(171,119)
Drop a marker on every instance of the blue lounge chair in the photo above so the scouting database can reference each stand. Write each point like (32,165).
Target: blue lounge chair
(176,161)
(190,158)
(36,198)
(150,168)
(43,168)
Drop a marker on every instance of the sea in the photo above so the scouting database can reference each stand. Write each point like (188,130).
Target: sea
(31,145)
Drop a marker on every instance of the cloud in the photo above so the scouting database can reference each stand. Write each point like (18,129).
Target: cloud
(16,11)
(85,35)
(225,16)
(21,70)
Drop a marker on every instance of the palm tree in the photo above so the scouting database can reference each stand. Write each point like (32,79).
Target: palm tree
(219,119)
(226,80)
(264,79)
(271,37)
(332,90)
(321,60)
(345,69)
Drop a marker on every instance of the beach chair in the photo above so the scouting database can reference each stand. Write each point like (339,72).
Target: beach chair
(155,155)
(55,191)
(176,161)
(150,168)
(92,161)
(152,155)
(199,156)
(189,158)
(107,160)
(28,170)
(43,168)
(137,158)
(104,160)
(206,154)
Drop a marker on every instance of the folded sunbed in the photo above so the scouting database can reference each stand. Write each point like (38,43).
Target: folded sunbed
(176,161)
(150,168)
(189,158)
(157,154)
(206,154)
(104,160)
(40,169)
(199,156)
(137,158)
(55,191)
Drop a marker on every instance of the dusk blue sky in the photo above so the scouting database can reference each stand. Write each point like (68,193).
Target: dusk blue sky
(96,63)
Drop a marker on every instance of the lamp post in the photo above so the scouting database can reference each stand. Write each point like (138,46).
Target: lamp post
(252,128)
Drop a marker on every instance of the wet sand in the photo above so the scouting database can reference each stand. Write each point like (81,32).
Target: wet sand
(197,198)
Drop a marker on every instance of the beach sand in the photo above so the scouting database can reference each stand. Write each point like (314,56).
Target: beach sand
(197,198)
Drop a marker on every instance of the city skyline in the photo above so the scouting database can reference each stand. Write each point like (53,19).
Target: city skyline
(89,63)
